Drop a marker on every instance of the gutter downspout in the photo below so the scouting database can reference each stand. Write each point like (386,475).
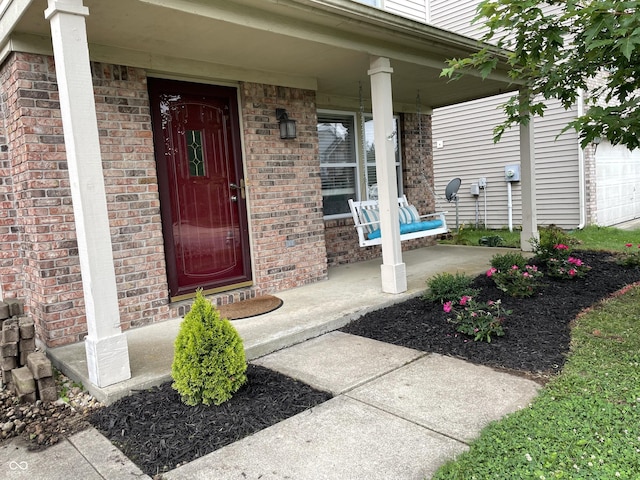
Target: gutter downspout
(581,173)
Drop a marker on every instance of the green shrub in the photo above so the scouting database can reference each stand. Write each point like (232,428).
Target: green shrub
(478,320)
(209,362)
(630,257)
(491,241)
(504,262)
(550,237)
(445,287)
(516,281)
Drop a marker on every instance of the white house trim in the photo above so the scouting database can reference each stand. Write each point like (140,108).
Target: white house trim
(106,345)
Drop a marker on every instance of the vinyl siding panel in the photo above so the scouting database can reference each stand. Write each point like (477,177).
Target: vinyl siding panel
(413,9)
(456,16)
(468,152)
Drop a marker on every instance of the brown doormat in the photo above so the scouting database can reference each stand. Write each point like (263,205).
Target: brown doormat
(250,308)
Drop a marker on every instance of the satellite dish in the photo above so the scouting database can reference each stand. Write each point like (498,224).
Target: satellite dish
(451,192)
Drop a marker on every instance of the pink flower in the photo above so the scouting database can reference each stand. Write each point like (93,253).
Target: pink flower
(515,267)
(447,307)
(526,274)
(575,261)
(491,271)
(572,272)
(490,302)
(630,245)
(464,300)
(561,246)
(532,268)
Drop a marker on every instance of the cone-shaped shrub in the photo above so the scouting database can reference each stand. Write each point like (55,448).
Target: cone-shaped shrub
(209,363)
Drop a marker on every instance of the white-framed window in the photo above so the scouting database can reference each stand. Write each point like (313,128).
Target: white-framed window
(347,160)
(339,167)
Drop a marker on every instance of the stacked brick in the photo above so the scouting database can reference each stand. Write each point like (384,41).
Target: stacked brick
(27,372)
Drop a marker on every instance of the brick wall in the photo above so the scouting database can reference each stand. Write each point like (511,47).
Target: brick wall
(11,285)
(417,179)
(284,189)
(38,250)
(43,203)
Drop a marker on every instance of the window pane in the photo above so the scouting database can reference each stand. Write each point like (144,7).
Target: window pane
(338,165)
(338,185)
(194,152)
(370,155)
(336,137)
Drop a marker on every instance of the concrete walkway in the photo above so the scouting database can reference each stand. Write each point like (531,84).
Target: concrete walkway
(397,413)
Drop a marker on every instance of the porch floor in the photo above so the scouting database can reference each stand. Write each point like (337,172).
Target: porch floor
(307,312)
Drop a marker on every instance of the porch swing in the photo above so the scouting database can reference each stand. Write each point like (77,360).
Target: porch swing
(366,213)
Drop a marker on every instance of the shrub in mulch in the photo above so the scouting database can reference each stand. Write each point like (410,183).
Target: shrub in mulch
(159,433)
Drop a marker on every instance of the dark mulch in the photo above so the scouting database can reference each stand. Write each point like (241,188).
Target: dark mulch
(159,433)
(537,335)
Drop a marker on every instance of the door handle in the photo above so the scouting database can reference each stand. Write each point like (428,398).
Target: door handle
(240,187)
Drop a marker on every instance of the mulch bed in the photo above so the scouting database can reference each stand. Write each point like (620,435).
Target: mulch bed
(159,433)
(537,333)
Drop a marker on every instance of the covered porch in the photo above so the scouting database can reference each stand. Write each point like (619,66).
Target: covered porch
(328,49)
(307,312)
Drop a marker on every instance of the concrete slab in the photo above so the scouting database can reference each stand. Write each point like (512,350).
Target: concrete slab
(59,462)
(448,395)
(105,458)
(337,362)
(309,311)
(340,439)
(85,455)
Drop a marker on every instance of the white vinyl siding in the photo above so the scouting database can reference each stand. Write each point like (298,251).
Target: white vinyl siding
(456,16)
(465,132)
(413,9)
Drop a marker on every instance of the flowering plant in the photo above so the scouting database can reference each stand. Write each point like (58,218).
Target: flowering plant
(480,321)
(563,265)
(630,257)
(516,281)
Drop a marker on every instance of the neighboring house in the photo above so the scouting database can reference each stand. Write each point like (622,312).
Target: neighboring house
(142,158)
(574,186)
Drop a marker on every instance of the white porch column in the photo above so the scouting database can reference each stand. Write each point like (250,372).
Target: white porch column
(393,270)
(106,345)
(528,183)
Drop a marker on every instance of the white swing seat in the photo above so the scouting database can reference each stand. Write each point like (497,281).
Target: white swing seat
(412,225)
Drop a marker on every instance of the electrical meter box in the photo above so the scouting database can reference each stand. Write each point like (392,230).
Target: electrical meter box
(512,173)
(475,189)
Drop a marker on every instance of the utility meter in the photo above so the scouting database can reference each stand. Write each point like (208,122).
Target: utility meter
(512,173)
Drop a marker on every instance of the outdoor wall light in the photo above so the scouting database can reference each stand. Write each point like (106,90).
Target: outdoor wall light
(595,142)
(287,125)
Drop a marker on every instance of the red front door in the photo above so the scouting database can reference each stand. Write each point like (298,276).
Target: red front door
(197,143)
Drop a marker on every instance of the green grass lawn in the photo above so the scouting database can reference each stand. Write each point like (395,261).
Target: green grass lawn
(589,238)
(585,423)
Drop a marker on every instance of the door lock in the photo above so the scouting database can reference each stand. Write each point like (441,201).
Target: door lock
(240,187)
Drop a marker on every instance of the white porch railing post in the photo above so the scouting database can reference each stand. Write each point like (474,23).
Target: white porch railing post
(106,345)
(528,182)
(393,270)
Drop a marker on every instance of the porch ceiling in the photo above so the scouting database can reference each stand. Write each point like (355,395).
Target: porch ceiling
(321,44)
